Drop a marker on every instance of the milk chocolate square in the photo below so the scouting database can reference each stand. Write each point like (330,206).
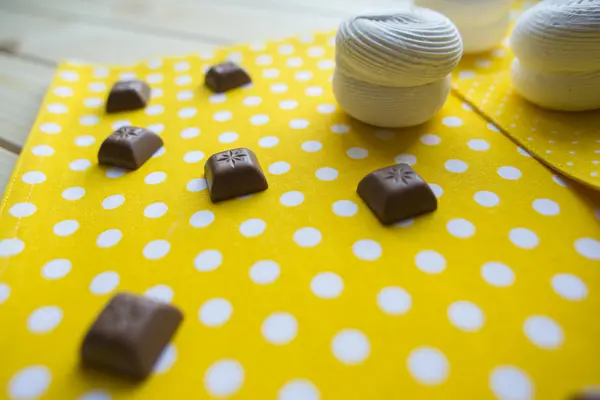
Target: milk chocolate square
(129,335)
(396,193)
(226,76)
(129,147)
(127,96)
(234,173)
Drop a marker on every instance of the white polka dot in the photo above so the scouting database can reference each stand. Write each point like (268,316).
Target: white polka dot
(457,166)
(166,360)
(44,319)
(279,88)
(63,91)
(294,62)
(466,74)
(208,260)
(215,312)
(569,287)
(279,167)
(268,142)
(105,282)
(66,227)
(89,120)
(312,146)
(162,293)
(288,104)
(112,202)
(367,250)
(154,64)
(487,199)
(315,51)
(291,199)
(510,383)
(97,87)
(95,394)
(452,122)
(50,128)
(22,210)
(154,78)
(523,238)
(350,346)
(202,219)
(327,285)
(428,366)
(84,141)
(31,382)
(236,57)
(524,153)
(279,328)
(114,173)
(252,101)
(405,159)
(181,66)
(307,237)
(299,389)
(4,292)
(73,193)
(326,64)
(189,133)
(478,145)
(57,108)
(183,96)
(56,269)
(224,378)
(271,73)
(588,248)
(228,137)
(326,108)
(109,238)
(543,332)
(33,177)
(155,93)
(546,207)
(80,165)
(340,128)
(252,227)
(156,210)
(431,139)
(465,316)
(183,80)
(101,72)
(155,109)
(11,247)
(430,261)
(154,178)
(357,153)
(193,156)
(93,102)
(436,189)
(385,135)
(264,59)
(303,76)
(497,274)
(326,174)
(405,223)
(344,208)
(196,185)
(264,272)
(69,76)
(156,128)
(187,112)
(259,119)
(461,228)
(156,249)
(394,300)
(559,180)
(313,91)
(159,152)
(299,124)
(510,173)
(286,49)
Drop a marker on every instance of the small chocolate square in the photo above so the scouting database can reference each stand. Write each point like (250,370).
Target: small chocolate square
(234,173)
(396,193)
(127,96)
(129,147)
(129,335)
(226,76)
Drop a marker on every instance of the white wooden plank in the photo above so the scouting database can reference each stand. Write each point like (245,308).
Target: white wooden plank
(22,87)
(7,163)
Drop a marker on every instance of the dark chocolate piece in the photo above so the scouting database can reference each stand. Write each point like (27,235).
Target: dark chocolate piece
(396,193)
(233,173)
(129,147)
(226,76)
(129,336)
(127,96)
(586,396)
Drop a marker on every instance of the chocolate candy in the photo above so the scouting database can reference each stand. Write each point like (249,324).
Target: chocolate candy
(129,335)
(226,76)
(396,193)
(129,147)
(586,396)
(233,173)
(127,96)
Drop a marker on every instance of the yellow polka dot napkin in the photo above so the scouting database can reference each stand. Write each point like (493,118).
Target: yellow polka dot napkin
(297,292)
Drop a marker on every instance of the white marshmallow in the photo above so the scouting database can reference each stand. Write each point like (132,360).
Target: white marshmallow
(557,49)
(392,70)
(482,23)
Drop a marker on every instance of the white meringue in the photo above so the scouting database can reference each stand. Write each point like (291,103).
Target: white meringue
(392,70)
(557,49)
(482,23)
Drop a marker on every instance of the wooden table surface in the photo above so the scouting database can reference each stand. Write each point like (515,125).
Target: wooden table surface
(35,35)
